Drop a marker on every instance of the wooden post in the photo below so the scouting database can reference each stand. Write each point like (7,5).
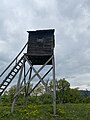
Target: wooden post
(28,86)
(54,86)
(18,87)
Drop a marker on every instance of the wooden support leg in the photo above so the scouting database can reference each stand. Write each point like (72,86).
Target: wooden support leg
(28,86)
(54,87)
(18,86)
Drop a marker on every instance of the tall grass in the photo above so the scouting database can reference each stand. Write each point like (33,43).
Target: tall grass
(45,112)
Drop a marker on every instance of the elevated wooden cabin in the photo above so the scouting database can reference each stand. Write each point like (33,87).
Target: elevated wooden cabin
(41,45)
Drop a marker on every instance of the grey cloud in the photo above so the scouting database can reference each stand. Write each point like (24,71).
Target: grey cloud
(86,4)
(70,9)
(70,18)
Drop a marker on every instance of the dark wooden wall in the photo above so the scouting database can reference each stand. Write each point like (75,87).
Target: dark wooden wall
(41,43)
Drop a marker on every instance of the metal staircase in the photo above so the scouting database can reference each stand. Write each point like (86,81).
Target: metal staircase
(14,70)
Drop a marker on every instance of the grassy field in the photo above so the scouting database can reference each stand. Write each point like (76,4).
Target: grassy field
(45,112)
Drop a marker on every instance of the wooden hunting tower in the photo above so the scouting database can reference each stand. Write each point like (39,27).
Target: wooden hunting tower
(40,51)
(40,46)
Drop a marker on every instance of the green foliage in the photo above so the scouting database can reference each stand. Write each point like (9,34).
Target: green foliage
(45,112)
(63,87)
(63,84)
(46,98)
(75,96)
(5,100)
(64,94)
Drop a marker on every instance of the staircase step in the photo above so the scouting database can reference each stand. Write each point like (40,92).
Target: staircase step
(1,88)
(21,61)
(14,72)
(9,78)
(17,68)
(6,81)
(4,85)
(11,75)
(18,65)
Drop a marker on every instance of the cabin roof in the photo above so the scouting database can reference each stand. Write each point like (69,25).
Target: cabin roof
(42,31)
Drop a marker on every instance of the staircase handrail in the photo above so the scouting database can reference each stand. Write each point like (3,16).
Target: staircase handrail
(14,59)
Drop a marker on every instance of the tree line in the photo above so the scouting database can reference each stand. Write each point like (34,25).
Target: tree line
(40,95)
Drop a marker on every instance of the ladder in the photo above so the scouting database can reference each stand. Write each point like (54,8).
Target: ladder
(11,76)
(13,72)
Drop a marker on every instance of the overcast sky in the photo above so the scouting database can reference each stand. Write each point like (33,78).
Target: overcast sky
(71,21)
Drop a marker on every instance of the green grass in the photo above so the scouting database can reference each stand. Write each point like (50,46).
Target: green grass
(45,112)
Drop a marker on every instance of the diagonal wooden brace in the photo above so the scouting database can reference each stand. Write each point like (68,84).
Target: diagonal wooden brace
(40,81)
(36,72)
